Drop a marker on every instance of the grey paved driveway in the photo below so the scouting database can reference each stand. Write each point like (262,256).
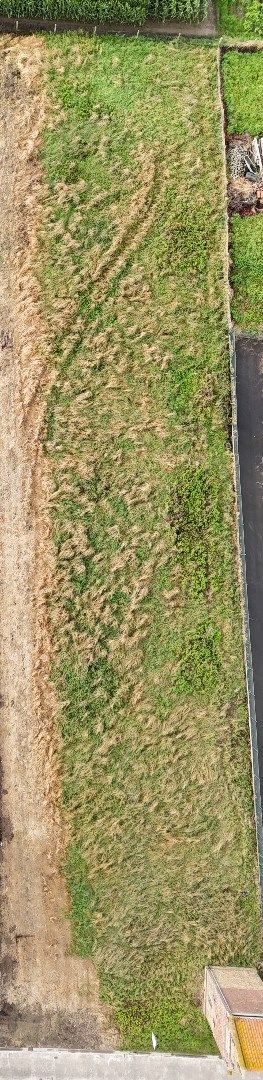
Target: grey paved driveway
(74,1065)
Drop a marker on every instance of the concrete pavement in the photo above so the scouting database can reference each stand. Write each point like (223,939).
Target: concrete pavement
(42,1064)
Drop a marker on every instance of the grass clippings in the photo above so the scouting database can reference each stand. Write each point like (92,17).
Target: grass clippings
(145,609)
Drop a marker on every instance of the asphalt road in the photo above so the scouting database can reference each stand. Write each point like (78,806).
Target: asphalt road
(249,388)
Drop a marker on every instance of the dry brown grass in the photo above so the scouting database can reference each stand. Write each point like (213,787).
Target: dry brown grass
(25,61)
(44,988)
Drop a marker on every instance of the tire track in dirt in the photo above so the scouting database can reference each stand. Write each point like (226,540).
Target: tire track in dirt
(47,995)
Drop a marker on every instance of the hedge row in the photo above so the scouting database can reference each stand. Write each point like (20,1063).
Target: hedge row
(103,10)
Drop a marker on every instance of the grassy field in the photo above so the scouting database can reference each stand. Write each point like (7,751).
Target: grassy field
(145,609)
(240,20)
(243,88)
(247,282)
(229,19)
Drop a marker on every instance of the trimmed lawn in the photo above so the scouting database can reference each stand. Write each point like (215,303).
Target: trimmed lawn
(145,610)
(243,88)
(247,279)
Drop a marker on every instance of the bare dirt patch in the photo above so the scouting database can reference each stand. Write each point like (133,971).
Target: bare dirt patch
(47,995)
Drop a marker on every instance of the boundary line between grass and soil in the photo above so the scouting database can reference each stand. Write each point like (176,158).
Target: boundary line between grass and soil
(238,494)
(151,29)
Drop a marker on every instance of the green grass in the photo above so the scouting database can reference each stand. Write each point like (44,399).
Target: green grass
(247,279)
(240,19)
(243,89)
(229,19)
(145,609)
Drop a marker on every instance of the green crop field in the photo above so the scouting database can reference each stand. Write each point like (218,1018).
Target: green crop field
(243,89)
(133,11)
(145,607)
(240,19)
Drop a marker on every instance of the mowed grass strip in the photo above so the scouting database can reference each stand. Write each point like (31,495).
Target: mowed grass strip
(243,90)
(148,656)
(247,279)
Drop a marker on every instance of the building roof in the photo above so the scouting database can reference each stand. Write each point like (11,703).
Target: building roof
(250,1037)
(242,990)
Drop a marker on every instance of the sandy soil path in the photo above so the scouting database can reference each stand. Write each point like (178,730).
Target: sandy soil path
(47,996)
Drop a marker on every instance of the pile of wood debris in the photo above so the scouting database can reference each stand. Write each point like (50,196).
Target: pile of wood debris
(245,169)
